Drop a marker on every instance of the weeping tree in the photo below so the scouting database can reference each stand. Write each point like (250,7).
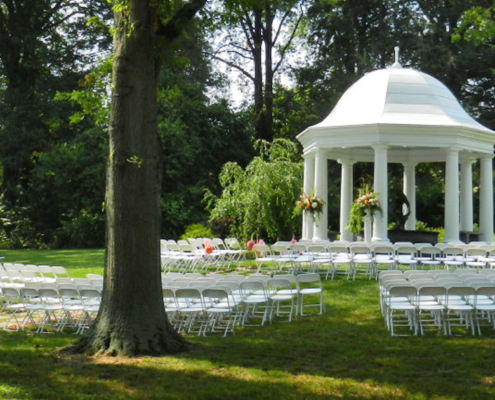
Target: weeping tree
(260,199)
(132,320)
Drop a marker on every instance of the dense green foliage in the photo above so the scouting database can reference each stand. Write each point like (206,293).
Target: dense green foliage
(54,96)
(260,199)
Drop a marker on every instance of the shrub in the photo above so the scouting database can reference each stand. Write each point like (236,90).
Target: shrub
(197,231)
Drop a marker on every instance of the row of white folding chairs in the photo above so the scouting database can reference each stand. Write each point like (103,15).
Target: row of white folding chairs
(45,272)
(336,258)
(193,307)
(223,255)
(186,257)
(17,279)
(329,244)
(469,277)
(441,305)
(57,306)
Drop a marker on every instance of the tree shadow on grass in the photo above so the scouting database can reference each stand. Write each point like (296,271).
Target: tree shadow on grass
(37,373)
(345,353)
(350,343)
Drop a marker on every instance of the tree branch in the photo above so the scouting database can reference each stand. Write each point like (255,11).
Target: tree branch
(235,66)
(173,28)
(245,56)
(287,45)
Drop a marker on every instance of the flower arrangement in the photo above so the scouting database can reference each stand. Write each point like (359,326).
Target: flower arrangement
(367,202)
(310,203)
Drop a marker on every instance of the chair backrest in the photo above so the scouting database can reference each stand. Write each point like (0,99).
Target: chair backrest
(60,272)
(9,266)
(308,278)
(475,252)
(453,251)
(430,251)
(280,249)
(421,245)
(383,249)
(431,290)
(460,290)
(28,294)
(284,243)
(401,244)
(94,276)
(89,296)
(406,250)
(11,294)
(317,248)
(277,283)
(173,247)
(46,295)
(262,250)
(216,293)
(298,247)
(238,278)
(411,273)
(66,293)
(402,290)
(46,271)
(486,290)
(252,284)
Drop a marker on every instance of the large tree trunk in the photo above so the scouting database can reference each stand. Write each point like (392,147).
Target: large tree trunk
(132,319)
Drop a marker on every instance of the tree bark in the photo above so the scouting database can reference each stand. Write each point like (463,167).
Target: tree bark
(268,40)
(259,95)
(132,319)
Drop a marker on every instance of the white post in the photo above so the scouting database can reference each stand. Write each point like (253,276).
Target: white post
(309,179)
(380,184)
(466,201)
(409,188)
(451,221)
(320,227)
(486,199)
(346,184)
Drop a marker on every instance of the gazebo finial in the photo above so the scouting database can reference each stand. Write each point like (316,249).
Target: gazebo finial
(396,64)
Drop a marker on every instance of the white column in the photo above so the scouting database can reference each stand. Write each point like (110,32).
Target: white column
(466,200)
(380,184)
(309,179)
(409,188)
(451,221)
(486,199)
(320,227)
(346,185)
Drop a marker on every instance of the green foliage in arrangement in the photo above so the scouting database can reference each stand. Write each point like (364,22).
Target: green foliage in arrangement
(367,201)
(260,199)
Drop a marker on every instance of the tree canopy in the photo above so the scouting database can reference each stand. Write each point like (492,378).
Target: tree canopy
(296,57)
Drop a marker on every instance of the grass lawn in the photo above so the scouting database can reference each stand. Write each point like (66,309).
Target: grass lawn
(345,354)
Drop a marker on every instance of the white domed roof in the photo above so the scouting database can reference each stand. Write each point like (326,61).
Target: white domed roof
(399,96)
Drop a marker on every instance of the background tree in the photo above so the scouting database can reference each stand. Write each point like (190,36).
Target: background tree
(199,130)
(40,53)
(132,319)
(257,36)
(260,199)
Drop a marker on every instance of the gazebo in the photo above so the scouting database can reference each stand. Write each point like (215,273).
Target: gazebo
(400,115)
